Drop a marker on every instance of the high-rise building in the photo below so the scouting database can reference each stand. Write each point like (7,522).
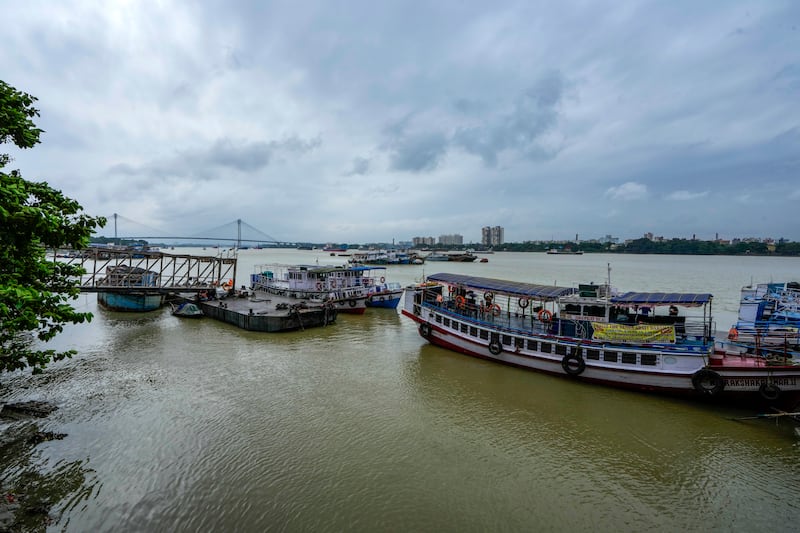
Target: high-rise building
(492,236)
(451,239)
(423,241)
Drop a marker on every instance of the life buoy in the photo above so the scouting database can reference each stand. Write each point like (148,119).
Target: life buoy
(574,365)
(733,334)
(495,347)
(383,280)
(382,299)
(425,329)
(495,309)
(707,382)
(352,303)
(545,315)
(769,391)
(461,302)
(488,296)
(523,302)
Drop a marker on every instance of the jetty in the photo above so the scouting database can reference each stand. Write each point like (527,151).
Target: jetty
(148,277)
(255,311)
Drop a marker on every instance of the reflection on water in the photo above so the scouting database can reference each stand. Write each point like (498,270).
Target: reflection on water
(186,425)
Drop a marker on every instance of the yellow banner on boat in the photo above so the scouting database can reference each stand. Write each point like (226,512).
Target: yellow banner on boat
(639,333)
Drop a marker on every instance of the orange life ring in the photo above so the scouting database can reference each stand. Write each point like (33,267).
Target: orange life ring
(733,334)
(495,309)
(461,301)
(545,315)
(383,280)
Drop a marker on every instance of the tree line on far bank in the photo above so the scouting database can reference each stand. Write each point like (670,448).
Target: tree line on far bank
(671,246)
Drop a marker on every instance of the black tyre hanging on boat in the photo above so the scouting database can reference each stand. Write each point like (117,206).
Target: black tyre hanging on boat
(425,329)
(769,391)
(352,303)
(707,382)
(495,347)
(574,365)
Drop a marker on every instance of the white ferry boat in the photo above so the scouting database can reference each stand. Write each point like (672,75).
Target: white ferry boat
(657,342)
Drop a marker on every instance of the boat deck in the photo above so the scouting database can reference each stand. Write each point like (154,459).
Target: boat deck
(527,324)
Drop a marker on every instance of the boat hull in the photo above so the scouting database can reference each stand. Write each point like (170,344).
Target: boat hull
(385,300)
(130,302)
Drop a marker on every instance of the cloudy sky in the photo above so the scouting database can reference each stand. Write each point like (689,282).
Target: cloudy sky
(365,121)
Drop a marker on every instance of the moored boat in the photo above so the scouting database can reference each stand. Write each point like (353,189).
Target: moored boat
(380,293)
(137,289)
(768,321)
(635,340)
(186,310)
(341,287)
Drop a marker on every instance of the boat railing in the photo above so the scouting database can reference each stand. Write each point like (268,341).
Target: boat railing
(688,331)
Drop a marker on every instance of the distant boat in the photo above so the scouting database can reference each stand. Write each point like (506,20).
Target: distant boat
(555,251)
(437,257)
(462,258)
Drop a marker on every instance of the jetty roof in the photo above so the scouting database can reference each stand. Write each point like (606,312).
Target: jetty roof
(515,288)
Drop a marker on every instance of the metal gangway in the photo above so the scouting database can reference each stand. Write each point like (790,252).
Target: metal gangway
(132,270)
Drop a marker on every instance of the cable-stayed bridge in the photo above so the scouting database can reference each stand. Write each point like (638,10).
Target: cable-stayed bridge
(236,232)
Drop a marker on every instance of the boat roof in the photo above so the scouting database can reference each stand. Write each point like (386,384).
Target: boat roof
(516,288)
(662,298)
(552,292)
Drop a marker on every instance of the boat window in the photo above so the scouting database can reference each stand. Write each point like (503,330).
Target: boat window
(484,334)
(473,331)
(629,358)
(507,340)
(519,343)
(545,347)
(532,345)
(561,349)
(439,318)
(447,322)
(592,354)
(594,310)
(611,357)
(649,359)
(464,328)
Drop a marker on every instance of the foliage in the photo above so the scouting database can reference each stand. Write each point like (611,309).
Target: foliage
(34,291)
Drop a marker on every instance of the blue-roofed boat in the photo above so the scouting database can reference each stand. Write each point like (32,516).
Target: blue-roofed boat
(380,293)
(647,341)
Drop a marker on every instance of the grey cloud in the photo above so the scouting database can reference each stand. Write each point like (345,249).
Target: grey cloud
(360,167)
(245,157)
(418,153)
(534,113)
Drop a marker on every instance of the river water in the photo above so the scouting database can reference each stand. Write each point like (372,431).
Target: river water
(194,425)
